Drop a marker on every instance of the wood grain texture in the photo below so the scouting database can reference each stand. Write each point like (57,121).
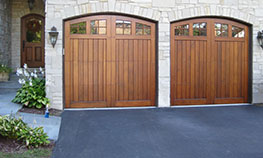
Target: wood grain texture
(109,70)
(209,69)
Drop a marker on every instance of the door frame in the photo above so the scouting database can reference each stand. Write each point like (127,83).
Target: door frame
(22,35)
(250,50)
(113,14)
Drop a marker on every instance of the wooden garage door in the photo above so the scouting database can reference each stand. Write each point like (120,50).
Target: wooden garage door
(109,62)
(209,62)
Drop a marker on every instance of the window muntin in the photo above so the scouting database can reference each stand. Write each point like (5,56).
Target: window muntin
(98,27)
(200,29)
(221,30)
(123,27)
(78,28)
(142,29)
(238,32)
(182,30)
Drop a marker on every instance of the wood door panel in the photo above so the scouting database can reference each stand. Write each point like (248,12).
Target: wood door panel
(133,70)
(229,73)
(29,54)
(209,69)
(88,68)
(109,70)
(38,54)
(190,69)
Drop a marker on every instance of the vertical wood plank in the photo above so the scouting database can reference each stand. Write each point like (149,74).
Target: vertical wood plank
(81,69)
(184,70)
(131,70)
(188,70)
(197,71)
(126,70)
(145,70)
(227,68)
(205,71)
(85,71)
(100,69)
(231,76)
(140,75)
(193,52)
(149,89)
(76,71)
(91,69)
(96,68)
(179,71)
(235,61)
(136,70)
(121,70)
(201,68)
(67,66)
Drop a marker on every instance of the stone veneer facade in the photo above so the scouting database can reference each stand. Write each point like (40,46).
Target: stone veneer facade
(5,40)
(162,11)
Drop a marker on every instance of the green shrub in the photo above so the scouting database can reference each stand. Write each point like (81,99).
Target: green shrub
(16,129)
(4,68)
(32,94)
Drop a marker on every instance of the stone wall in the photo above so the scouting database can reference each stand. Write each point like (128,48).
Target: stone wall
(163,11)
(19,8)
(5,40)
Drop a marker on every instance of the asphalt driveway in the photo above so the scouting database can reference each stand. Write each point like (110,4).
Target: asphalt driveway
(217,132)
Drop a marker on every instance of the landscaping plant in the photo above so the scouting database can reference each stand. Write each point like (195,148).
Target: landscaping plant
(32,93)
(14,128)
(4,73)
(5,69)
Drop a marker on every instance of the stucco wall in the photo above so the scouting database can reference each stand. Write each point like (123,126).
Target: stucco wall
(19,8)
(163,11)
(5,39)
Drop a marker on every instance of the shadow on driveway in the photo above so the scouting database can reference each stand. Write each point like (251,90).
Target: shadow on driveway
(217,132)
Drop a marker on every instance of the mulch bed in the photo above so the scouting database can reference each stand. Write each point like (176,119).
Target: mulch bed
(52,112)
(10,145)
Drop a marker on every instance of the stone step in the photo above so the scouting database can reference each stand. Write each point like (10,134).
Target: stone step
(11,84)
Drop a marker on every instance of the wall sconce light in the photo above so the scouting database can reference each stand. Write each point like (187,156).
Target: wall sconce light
(260,38)
(31,4)
(53,36)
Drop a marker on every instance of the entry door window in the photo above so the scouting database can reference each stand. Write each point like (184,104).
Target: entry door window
(33,30)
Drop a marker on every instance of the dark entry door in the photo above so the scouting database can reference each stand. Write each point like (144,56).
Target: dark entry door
(209,62)
(32,41)
(109,62)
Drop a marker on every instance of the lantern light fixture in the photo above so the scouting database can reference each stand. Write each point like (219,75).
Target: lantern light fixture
(31,4)
(53,36)
(260,38)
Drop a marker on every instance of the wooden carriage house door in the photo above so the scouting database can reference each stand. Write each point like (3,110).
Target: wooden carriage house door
(209,62)
(32,41)
(109,62)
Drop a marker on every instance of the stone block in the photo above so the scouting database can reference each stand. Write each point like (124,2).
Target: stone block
(163,3)
(209,1)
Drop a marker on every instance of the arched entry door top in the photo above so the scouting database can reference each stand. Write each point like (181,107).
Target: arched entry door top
(32,40)
(209,62)
(109,62)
